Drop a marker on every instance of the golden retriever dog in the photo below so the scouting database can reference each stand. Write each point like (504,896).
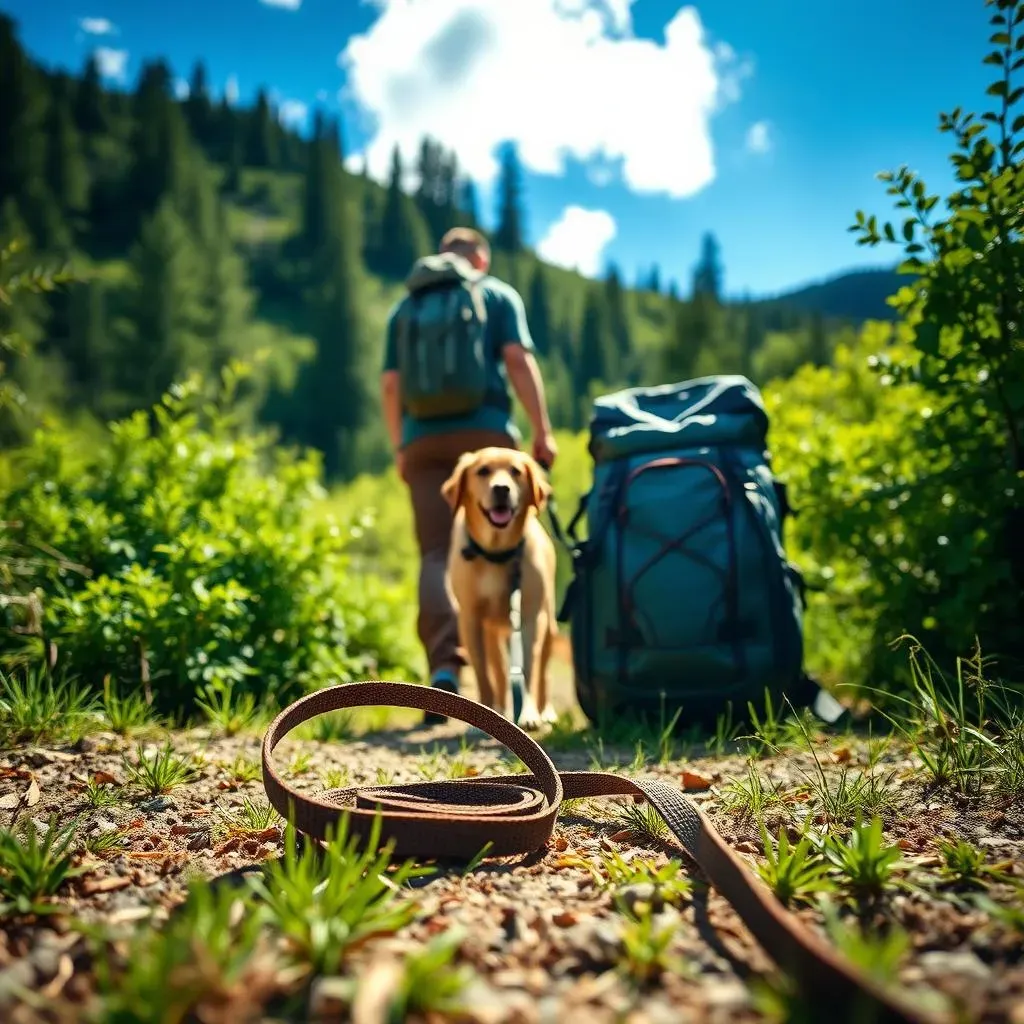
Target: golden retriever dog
(496,495)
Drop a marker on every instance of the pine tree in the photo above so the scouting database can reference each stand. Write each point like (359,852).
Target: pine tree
(707,276)
(88,353)
(509,236)
(403,233)
(336,390)
(226,296)
(160,144)
(265,138)
(236,157)
(469,210)
(199,109)
(539,311)
(91,113)
(67,172)
(618,323)
(166,310)
(23,108)
(448,200)
(595,346)
(428,189)
(313,196)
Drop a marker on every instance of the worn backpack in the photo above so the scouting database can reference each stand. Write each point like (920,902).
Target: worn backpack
(441,326)
(682,598)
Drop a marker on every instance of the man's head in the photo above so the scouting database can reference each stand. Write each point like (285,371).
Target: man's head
(470,245)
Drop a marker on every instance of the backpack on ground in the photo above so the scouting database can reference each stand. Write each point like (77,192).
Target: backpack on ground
(440,338)
(682,598)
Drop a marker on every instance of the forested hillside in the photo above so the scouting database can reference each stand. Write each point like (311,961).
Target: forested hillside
(202,232)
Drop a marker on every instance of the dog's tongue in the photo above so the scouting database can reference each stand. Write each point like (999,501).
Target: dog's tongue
(501,516)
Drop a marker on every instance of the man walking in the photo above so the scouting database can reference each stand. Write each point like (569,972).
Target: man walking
(454,344)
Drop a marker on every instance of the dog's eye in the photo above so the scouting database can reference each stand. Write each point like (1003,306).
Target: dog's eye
(484,471)
(515,472)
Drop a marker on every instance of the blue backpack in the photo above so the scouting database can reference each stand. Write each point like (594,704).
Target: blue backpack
(682,597)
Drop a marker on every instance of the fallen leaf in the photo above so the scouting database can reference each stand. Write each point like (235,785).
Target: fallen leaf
(29,798)
(566,919)
(102,778)
(691,780)
(229,847)
(15,773)
(111,884)
(560,843)
(229,786)
(622,836)
(843,755)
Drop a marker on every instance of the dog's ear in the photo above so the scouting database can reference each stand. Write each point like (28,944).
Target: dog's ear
(454,487)
(540,489)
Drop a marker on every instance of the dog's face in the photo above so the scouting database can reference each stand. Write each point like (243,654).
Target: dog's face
(497,487)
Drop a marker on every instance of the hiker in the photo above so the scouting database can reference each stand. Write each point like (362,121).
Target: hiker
(454,344)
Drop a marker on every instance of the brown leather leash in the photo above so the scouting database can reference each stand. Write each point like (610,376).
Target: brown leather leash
(456,819)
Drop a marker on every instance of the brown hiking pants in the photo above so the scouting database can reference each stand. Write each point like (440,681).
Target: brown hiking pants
(429,461)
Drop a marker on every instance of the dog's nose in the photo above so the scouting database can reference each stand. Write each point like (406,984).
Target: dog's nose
(500,492)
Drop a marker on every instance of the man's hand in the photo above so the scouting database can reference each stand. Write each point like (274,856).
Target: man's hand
(545,449)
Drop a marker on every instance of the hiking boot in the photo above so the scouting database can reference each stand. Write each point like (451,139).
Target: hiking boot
(443,679)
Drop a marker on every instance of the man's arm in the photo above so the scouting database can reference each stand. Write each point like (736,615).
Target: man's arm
(524,376)
(391,396)
(391,404)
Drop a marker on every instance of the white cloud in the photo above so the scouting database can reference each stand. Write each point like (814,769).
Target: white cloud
(578,239)
(181,89)
(293,113)
(289,5)
(112,63)
(97,26)
(563,78)
(759,138)
(231,90)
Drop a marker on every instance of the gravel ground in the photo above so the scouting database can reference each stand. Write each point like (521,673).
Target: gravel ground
(543,938)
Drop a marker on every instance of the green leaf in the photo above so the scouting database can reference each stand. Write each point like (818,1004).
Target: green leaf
(996,89)
(995,57)
(908,228)
(927,338)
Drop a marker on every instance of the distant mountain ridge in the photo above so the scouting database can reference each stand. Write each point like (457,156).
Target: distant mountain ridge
(856,295)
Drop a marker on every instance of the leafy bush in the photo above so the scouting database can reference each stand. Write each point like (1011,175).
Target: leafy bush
(210,562)
(908,455)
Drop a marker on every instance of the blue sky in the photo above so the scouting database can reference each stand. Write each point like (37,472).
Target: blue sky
(762,122)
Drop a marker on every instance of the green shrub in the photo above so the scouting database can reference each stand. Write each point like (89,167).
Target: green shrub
(209,559)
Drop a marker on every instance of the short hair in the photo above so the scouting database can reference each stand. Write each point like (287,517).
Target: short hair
(465,242)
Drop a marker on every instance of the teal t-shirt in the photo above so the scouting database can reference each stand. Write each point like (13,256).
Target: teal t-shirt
(506,325)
